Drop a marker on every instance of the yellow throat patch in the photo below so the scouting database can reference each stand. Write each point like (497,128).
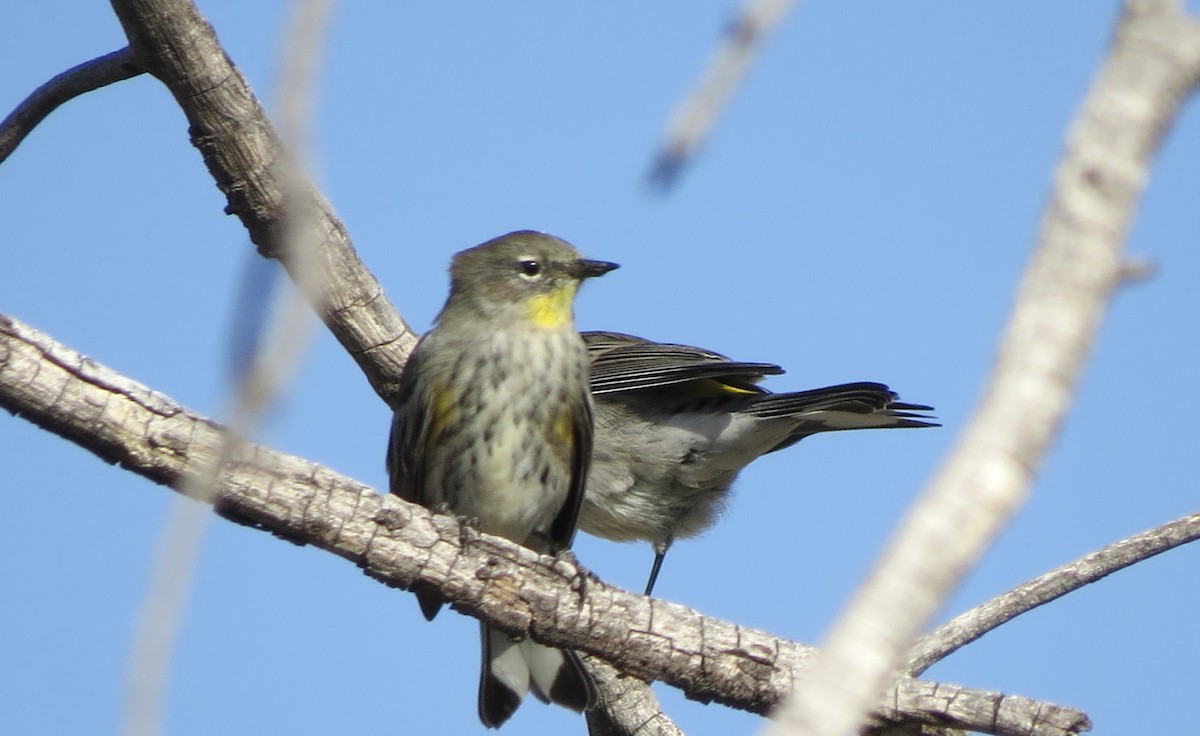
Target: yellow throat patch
(554,310)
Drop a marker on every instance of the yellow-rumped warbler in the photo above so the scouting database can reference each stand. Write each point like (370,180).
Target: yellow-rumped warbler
(493,421)
(676,424)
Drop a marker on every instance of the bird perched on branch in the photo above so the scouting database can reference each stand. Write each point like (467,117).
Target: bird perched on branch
(493,422)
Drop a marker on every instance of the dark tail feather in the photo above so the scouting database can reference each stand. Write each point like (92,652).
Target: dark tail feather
(497,705)
(503,678)
(430,603)
(573,687)
(836,408)
(511,667)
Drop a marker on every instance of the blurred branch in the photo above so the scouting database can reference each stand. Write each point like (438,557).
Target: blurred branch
(241,150)
(695,117)
(1153,65)
(261,374)
(490,578)
(970,625)
(78,80)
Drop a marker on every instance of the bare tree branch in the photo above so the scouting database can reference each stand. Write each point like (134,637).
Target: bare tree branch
(697,114)
(629,706)
(241,151)
(99,72)
(1152,67)
(970,625)
(398,543)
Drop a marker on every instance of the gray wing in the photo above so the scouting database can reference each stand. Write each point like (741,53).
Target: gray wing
(627,363)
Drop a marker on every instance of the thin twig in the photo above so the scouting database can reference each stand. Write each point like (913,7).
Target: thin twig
(90,75)
(1152,67)
(970,625)
(697,114)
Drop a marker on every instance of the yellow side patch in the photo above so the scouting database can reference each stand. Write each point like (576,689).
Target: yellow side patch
(445,411)
(565,429)
(552,311)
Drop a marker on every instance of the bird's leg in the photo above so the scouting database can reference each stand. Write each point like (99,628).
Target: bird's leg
(660,551)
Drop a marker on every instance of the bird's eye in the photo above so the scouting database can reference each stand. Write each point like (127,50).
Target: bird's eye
(529,268)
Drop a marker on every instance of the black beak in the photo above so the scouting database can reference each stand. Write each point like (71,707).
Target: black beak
(586,269)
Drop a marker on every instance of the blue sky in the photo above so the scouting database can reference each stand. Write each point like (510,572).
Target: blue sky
(863,212)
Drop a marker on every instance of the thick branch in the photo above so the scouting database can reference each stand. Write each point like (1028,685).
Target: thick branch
(491,578)
(1152,67)
(970,625)
(78,80)
(242,152)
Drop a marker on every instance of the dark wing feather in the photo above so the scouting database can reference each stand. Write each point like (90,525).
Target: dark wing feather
(405,461)
(406,443)
(627,363)
(562,531)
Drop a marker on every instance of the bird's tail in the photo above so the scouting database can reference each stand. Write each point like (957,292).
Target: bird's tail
(845,406)
(512,666)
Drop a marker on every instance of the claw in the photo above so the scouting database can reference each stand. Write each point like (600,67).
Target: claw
(582,574)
